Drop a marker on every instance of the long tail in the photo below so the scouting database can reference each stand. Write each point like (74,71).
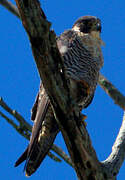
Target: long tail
(44,133)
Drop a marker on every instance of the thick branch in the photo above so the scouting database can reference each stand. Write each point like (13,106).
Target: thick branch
(117,156)
(106,85)
(49,63)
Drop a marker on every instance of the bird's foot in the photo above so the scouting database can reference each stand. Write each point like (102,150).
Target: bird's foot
(83,117)
(82,120)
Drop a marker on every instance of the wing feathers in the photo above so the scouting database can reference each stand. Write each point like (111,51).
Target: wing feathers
(44,132)
(21,158)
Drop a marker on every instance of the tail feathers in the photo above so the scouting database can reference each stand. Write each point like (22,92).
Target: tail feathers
(44,131)
(22,158)
(39,152)
(42,143)
(35,154)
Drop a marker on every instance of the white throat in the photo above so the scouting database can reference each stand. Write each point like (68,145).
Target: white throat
(76,28)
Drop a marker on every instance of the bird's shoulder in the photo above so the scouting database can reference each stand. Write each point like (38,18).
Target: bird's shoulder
(66,35)
(68,40)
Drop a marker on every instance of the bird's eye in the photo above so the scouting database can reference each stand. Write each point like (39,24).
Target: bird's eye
(98,27)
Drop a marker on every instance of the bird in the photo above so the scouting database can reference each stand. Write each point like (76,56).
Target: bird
(80,48)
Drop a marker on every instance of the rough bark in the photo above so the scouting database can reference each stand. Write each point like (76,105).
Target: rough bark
(49,64)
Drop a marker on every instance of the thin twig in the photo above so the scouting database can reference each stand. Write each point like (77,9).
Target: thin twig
(63,155)
(55,158)
(24,132)
(21,131)
(111,90)
(16,115)
(24,128)
(12,8)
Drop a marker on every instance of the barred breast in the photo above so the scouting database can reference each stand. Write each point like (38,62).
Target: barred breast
(81,63)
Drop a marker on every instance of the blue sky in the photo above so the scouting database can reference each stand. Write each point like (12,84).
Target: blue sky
(20,81)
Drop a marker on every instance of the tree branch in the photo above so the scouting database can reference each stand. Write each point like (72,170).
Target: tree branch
(106,85)
(115,160)
(15,126)
(12,8)
(111,90)
(63,155)
(49,64)
(27,135)
(15,114)
(24,129)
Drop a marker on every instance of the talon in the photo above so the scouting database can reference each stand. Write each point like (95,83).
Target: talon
(84,117)
(26,175)
(83,120)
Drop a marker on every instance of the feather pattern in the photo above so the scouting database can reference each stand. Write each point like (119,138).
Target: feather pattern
(82,61)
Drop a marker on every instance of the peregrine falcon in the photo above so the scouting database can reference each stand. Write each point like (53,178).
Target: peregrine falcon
(80,48)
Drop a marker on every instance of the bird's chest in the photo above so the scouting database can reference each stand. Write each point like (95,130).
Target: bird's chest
(78,90)
(92,45)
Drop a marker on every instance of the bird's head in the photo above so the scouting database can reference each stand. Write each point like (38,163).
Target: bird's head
(88,25)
